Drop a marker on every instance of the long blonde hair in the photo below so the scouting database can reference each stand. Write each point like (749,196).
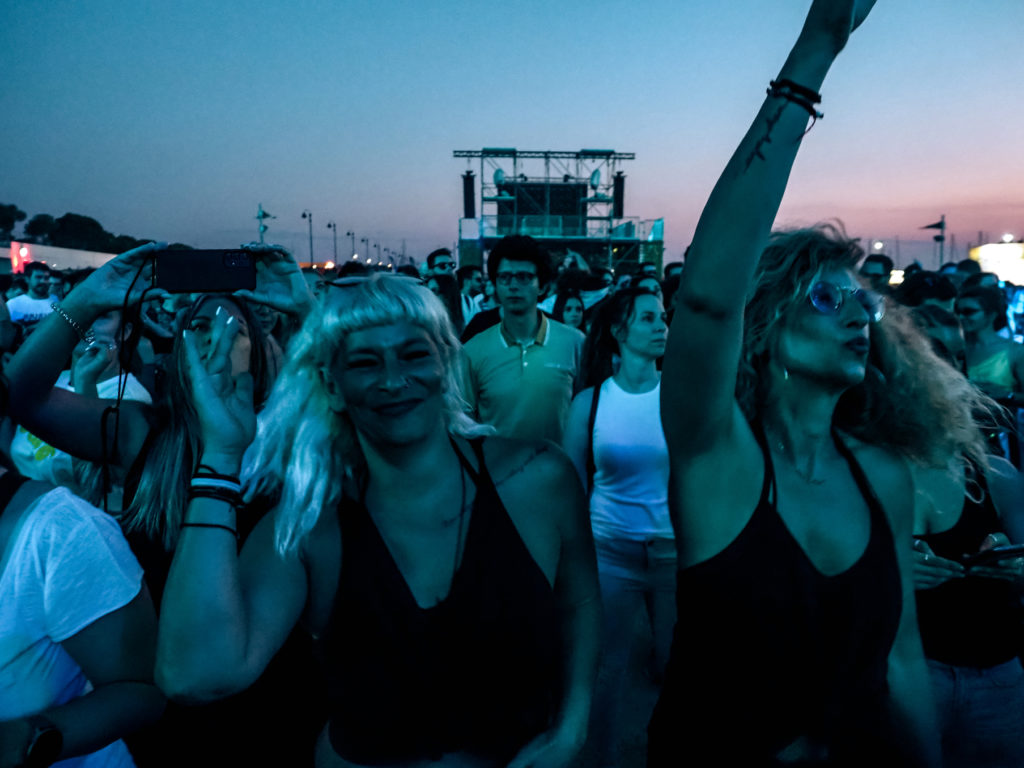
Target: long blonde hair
(304,451)
(910,401)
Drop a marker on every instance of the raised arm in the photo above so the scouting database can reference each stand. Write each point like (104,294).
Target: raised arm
(701,364)
(223,617)
(68,421)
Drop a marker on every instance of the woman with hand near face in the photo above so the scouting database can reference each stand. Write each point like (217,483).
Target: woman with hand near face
(790,408)
(456,618)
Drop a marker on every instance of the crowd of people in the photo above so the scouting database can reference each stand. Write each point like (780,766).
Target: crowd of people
(425,518)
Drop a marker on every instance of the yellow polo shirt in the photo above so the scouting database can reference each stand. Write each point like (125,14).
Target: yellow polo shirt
(524,391)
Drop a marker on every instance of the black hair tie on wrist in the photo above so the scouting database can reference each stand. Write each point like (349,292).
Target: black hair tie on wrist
(797,94)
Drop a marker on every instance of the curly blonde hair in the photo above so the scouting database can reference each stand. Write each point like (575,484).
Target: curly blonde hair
(910,401)
(304,451)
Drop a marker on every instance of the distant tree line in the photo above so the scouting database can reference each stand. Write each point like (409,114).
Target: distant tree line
(71,230)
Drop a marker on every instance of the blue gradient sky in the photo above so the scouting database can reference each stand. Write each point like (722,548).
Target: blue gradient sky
(173,120)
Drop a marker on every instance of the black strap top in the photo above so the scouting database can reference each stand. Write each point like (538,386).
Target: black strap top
(478,672)
(769,650)
(971,622)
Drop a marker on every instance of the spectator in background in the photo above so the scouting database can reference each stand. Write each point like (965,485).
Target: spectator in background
(520,372)
(28,309)
(568,309)
(925,288)
(440,262)
(877,269)
(445,287)
(18,286)
(94,373)
(471,288)
(994,363)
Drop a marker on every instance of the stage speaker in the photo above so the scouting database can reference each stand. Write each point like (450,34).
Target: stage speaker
(468,196)
(618,195)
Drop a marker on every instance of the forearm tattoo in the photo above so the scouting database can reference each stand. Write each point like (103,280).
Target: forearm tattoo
(766,139)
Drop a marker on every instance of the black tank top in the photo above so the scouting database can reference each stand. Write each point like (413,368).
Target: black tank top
(970,622)
(478,672)
(768,650)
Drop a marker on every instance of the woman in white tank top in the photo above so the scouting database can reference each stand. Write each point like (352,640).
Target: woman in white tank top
(619,450)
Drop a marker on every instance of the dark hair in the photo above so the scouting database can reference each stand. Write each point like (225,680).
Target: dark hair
(611,316)
(449,296)
(968,267)
(353,268)
(879,258)
(520,248)
(986,279)
(408,270)
(36,266)
(558,310)
(433,256)
(462,274)
(991,299)
(922,286)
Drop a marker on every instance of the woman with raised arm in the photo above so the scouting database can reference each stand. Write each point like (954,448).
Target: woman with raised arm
(789,415)
(455,616)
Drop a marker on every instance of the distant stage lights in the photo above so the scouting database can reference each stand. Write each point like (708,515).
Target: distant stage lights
(878,245)
(1007,238)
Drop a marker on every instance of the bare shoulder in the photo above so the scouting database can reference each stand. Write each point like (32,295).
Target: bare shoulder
(538,464)
(890,477)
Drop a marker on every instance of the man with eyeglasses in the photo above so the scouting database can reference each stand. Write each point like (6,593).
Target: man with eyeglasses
(520,372)
(440,262)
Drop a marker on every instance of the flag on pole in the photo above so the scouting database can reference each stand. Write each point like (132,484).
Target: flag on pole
(936,225)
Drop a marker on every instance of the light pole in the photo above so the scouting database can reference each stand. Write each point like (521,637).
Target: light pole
(309,216)
(379,262)
(353,236)
(334,227)
(366,241)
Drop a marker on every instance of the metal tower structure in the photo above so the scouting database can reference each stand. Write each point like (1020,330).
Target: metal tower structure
(570,201)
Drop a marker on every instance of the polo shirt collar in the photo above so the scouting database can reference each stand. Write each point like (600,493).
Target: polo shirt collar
(541,337)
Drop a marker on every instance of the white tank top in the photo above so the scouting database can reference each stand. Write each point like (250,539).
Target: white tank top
(630,495)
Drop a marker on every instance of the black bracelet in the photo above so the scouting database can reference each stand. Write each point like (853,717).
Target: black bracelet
(795,93)
(786,84)
(208,472)
(227,528)
(234,498)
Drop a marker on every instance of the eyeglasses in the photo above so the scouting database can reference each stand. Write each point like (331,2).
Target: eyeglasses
(828,298)
(521,278)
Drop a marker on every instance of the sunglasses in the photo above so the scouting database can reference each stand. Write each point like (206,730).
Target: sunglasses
(828,298)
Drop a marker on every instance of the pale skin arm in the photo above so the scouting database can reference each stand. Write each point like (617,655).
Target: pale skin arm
(223,616)
(575,439)
(115,653)
(912,708)
(66,420)
(700,368)
(578,593)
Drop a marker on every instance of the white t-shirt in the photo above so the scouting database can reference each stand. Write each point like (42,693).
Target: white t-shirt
(39,461)
(28,311)
(629,499)
(67,565)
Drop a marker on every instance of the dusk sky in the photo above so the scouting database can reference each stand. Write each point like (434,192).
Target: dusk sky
(174,120)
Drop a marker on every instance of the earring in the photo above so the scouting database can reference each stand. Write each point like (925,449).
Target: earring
(785,373)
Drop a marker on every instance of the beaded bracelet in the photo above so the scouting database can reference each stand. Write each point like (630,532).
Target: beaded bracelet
(87,336)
